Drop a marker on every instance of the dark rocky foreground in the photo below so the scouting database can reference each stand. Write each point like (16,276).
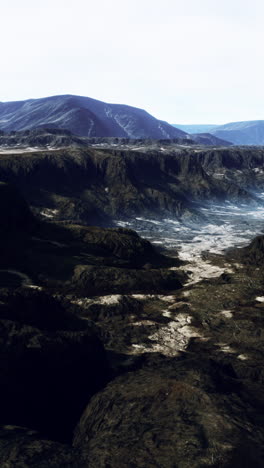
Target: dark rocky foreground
(110,357)
(193,395)
(20,447)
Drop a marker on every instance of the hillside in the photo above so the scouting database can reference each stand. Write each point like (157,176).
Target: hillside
(242,133)
(209,140)
(238,133)
(84,117)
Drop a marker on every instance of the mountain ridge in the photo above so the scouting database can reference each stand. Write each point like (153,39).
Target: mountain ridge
(84,116)
(244,132)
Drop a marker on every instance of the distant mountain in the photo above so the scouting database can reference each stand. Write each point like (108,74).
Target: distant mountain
(249,132)
(202,128)
(84,116)
(242,133)
(209,140)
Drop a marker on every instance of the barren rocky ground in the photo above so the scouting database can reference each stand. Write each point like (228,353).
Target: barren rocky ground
(123,348)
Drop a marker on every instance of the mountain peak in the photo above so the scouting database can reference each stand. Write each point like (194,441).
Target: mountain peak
(85,116)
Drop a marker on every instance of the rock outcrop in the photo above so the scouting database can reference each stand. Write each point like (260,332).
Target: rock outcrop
(94,281)
(252,254)
(148,418)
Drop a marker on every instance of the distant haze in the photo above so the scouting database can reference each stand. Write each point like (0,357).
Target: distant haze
(190,62)
(199,128)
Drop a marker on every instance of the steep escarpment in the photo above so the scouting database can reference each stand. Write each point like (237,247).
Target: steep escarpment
(237,158)
(94,186)
(238,165)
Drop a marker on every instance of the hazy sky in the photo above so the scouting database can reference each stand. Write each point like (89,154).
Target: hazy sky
(184,61)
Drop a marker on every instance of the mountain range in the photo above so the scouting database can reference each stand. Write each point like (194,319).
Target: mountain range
(239,133)
(91,118)
(84,116)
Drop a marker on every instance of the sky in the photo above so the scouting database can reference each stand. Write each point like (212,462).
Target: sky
(184,61)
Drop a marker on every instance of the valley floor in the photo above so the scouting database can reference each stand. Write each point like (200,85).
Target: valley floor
(207,337)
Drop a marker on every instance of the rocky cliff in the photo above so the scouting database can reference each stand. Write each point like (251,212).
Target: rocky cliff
(96,185)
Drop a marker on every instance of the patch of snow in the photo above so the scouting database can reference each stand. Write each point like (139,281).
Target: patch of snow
(161,297)
(201,269)
(163,131)
(227,313)
(186,293)
(142,297)
(170,299)
(102,300)
(153,221)
(260,298)
(110,300)
(34,286)
(170,339)
(226,349)
(143,323)
(90,131)
(49,213)
(123,223)
(19,150)
(166,313)
(242,357)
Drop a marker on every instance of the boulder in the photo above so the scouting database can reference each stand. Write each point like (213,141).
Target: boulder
(148,419)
